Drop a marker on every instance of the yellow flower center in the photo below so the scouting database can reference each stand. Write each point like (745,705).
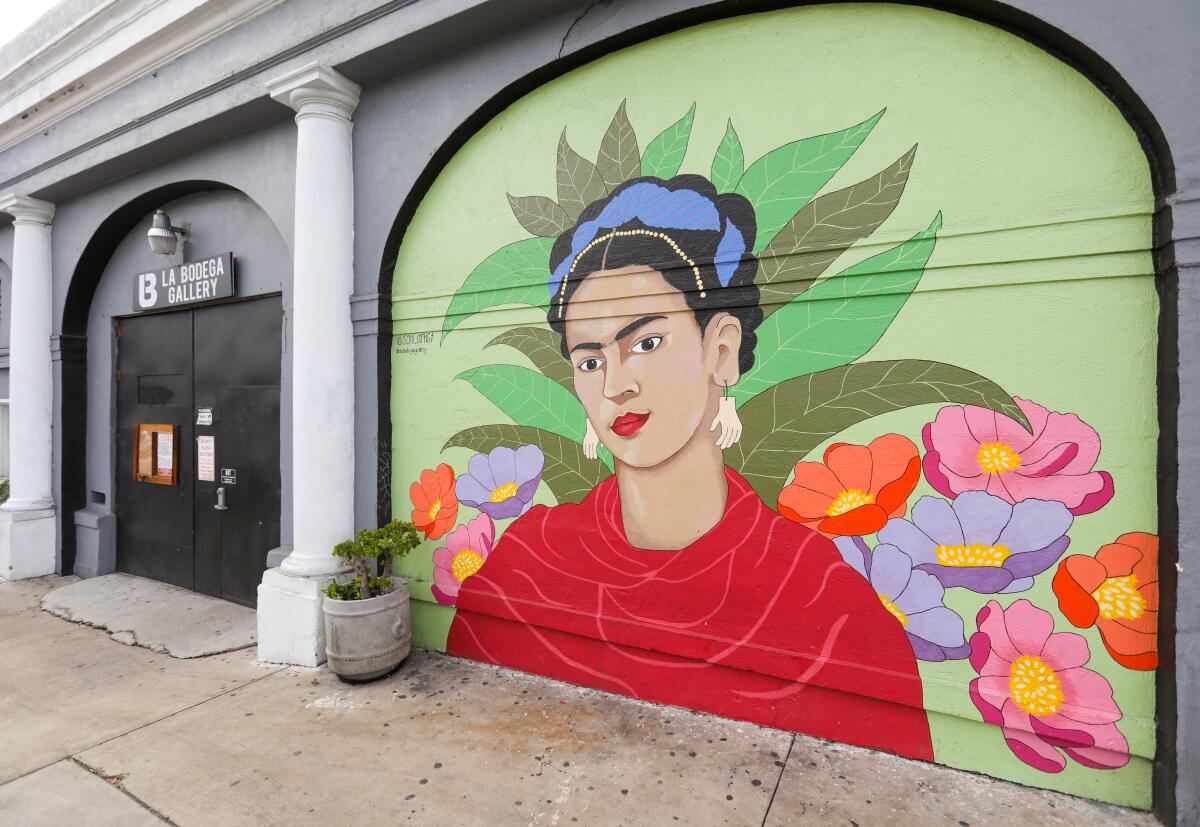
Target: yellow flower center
(465,563)
(848,500)
(1119,597)
(1034,686)
(975,555)
(504,492)
(896,613)
(996,458)
(434,509)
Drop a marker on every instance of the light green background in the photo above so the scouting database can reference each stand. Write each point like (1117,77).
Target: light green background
(1041,279)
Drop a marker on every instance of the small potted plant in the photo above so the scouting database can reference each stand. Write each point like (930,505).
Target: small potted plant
(367,631)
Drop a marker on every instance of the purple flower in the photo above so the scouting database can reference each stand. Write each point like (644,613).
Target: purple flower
(981,542)
(502,483)
(912,596)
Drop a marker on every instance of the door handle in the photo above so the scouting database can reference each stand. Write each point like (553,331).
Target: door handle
(220,506)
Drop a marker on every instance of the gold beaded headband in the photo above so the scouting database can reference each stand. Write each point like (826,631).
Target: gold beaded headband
(562,293)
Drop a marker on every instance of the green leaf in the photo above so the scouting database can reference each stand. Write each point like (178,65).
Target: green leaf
(840,319)
(579,182)
(823,230)
(619,158)
(664,155)
(729,163)
(540,215)
(568,473)
(529,398)
(514,274)
(783,424)
(542,347)
(785,179)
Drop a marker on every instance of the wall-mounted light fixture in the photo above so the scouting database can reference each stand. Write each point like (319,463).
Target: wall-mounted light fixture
(164,237)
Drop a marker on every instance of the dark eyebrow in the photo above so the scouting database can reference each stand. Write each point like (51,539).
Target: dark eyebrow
(632,326)
(621,334)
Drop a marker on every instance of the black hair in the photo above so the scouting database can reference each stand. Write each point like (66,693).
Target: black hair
(740,298)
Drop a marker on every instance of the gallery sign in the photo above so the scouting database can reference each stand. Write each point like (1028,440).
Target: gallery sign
(188,283)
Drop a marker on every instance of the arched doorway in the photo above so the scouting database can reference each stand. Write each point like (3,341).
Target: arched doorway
(200,380)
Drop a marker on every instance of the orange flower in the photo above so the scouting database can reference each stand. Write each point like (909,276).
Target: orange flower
(856,489)
(435,508)
(1117,592)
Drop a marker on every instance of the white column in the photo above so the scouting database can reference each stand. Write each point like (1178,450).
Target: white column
(28,536)
(290,626)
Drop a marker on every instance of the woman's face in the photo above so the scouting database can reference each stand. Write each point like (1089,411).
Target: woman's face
(642,370)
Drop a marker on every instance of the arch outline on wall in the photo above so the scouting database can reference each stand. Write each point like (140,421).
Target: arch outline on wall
(69,345)
(1045,36)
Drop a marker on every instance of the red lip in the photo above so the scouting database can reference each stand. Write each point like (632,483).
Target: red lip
(629,424)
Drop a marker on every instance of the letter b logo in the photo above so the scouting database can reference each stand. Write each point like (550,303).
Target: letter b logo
(147,294)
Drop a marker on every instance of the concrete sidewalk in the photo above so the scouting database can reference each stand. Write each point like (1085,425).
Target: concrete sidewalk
(98,733)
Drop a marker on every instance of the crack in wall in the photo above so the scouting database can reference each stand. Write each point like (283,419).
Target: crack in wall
(563,45)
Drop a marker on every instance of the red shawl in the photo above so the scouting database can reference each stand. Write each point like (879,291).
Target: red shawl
(758,620)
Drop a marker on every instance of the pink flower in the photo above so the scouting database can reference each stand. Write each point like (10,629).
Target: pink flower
(467,548)
(969,448)
(1033,685)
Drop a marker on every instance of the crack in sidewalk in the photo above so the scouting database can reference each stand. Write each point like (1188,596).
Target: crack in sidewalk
(118,782)
(73,756)
(782,769)
(128,637)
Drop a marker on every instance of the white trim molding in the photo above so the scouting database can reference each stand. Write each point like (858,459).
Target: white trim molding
(314,89)
(106,47)
(26,209)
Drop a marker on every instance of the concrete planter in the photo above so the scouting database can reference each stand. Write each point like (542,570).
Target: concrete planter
(366,639)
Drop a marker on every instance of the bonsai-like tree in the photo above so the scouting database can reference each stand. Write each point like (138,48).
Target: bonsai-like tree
(383,545)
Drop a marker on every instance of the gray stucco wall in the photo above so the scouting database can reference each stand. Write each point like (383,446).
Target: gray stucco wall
(219,221)
(5,302)
(260,163)
(5,309)
(5,324)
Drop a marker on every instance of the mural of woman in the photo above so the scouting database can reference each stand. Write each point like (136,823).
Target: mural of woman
(672,581)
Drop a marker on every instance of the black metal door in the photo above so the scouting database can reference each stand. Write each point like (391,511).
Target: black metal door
(237,351)
(154,385)
(214,372)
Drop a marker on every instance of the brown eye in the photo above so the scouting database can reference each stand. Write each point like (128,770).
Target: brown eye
(648,344)
(590,364)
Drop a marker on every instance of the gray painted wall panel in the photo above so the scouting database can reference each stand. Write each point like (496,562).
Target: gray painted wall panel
(5,303)
(220,221)
(261,164)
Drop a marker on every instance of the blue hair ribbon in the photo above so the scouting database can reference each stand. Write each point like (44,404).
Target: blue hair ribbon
(659,208)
